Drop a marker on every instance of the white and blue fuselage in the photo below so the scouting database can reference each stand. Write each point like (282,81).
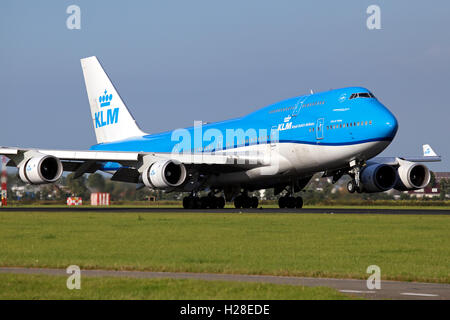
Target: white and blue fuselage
(312,133)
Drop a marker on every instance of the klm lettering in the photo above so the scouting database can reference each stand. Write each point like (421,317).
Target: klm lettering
(284,126)
(112,116)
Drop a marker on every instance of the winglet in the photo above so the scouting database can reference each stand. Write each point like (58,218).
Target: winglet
(428,151)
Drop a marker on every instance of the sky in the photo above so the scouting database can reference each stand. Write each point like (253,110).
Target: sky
(174,62)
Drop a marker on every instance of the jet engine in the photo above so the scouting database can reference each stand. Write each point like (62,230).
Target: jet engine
(412,176)
(164,174)
(378,178)
(40,169)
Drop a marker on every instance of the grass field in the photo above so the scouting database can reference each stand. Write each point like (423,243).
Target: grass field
(231,206)
(404,247)
(21,286)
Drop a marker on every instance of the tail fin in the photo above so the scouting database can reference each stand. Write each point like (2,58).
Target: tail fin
(111,118)
(428,152)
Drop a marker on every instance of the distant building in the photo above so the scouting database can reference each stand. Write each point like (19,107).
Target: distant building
(441,175)
(427,192)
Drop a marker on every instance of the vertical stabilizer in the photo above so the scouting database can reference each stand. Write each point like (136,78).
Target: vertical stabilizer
(111,118)
(428,151)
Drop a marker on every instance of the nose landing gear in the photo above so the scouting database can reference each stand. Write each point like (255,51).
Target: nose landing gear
(354,184)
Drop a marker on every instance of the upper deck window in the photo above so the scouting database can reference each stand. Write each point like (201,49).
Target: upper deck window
(362,95)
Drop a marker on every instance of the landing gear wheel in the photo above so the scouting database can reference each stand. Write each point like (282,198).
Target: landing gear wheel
(282,202)
(351,186)
(299,202)
(220,202)
(247,202)
(238,201)
(212,203)
(186,202)
(191,202)
(204,202)
(254,202)
(290,202)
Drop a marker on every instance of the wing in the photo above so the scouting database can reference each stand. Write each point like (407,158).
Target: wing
(127,166)
(428,156)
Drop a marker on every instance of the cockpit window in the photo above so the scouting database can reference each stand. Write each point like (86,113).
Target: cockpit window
(362,95)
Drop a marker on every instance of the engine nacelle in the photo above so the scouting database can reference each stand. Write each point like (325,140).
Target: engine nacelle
(412,176)
(40,169)
(378,178)
(164,174)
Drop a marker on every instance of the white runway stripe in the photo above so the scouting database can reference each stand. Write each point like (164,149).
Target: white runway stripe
(419,294)
(356,291)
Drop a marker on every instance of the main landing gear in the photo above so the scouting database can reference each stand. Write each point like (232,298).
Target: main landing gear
(290,202)
(244,201)
(208,202)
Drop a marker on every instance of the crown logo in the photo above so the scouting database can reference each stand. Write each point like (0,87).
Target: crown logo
(105,100)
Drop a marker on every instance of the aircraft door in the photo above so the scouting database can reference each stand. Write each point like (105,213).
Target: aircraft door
(274,137)
(319,128)
(298,105)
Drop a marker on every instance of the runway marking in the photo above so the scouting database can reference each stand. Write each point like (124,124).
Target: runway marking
(356,291)
(419,294)
(392,289)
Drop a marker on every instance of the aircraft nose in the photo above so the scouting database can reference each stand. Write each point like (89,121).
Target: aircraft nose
(389,124)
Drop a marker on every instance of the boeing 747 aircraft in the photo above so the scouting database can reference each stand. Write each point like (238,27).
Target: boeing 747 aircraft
(281,146)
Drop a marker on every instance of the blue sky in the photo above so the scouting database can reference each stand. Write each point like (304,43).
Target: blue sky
(178,61)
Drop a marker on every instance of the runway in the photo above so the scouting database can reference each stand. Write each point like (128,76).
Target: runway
(410,211)
(389,289)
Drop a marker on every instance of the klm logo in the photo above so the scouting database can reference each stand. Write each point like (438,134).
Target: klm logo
(286,125)
(108,115)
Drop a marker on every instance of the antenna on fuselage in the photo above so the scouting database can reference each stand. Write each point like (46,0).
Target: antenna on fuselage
(311,90)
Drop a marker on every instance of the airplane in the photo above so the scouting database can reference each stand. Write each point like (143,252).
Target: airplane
(281,146)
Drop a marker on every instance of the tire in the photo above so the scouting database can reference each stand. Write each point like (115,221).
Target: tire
(299,202)
(204,202)
(290,202)
(220,202)
(351,186)
(254,202)
(247,202)
(192,202)
(238,202)
(198,203)
(186,203)
(282,202)
(212,202)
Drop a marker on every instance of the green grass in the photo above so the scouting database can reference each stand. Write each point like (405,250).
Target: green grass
(388,204)
(323,245)
(25,286)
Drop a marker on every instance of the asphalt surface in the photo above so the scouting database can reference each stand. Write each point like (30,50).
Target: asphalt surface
(389,289)
(231,210)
